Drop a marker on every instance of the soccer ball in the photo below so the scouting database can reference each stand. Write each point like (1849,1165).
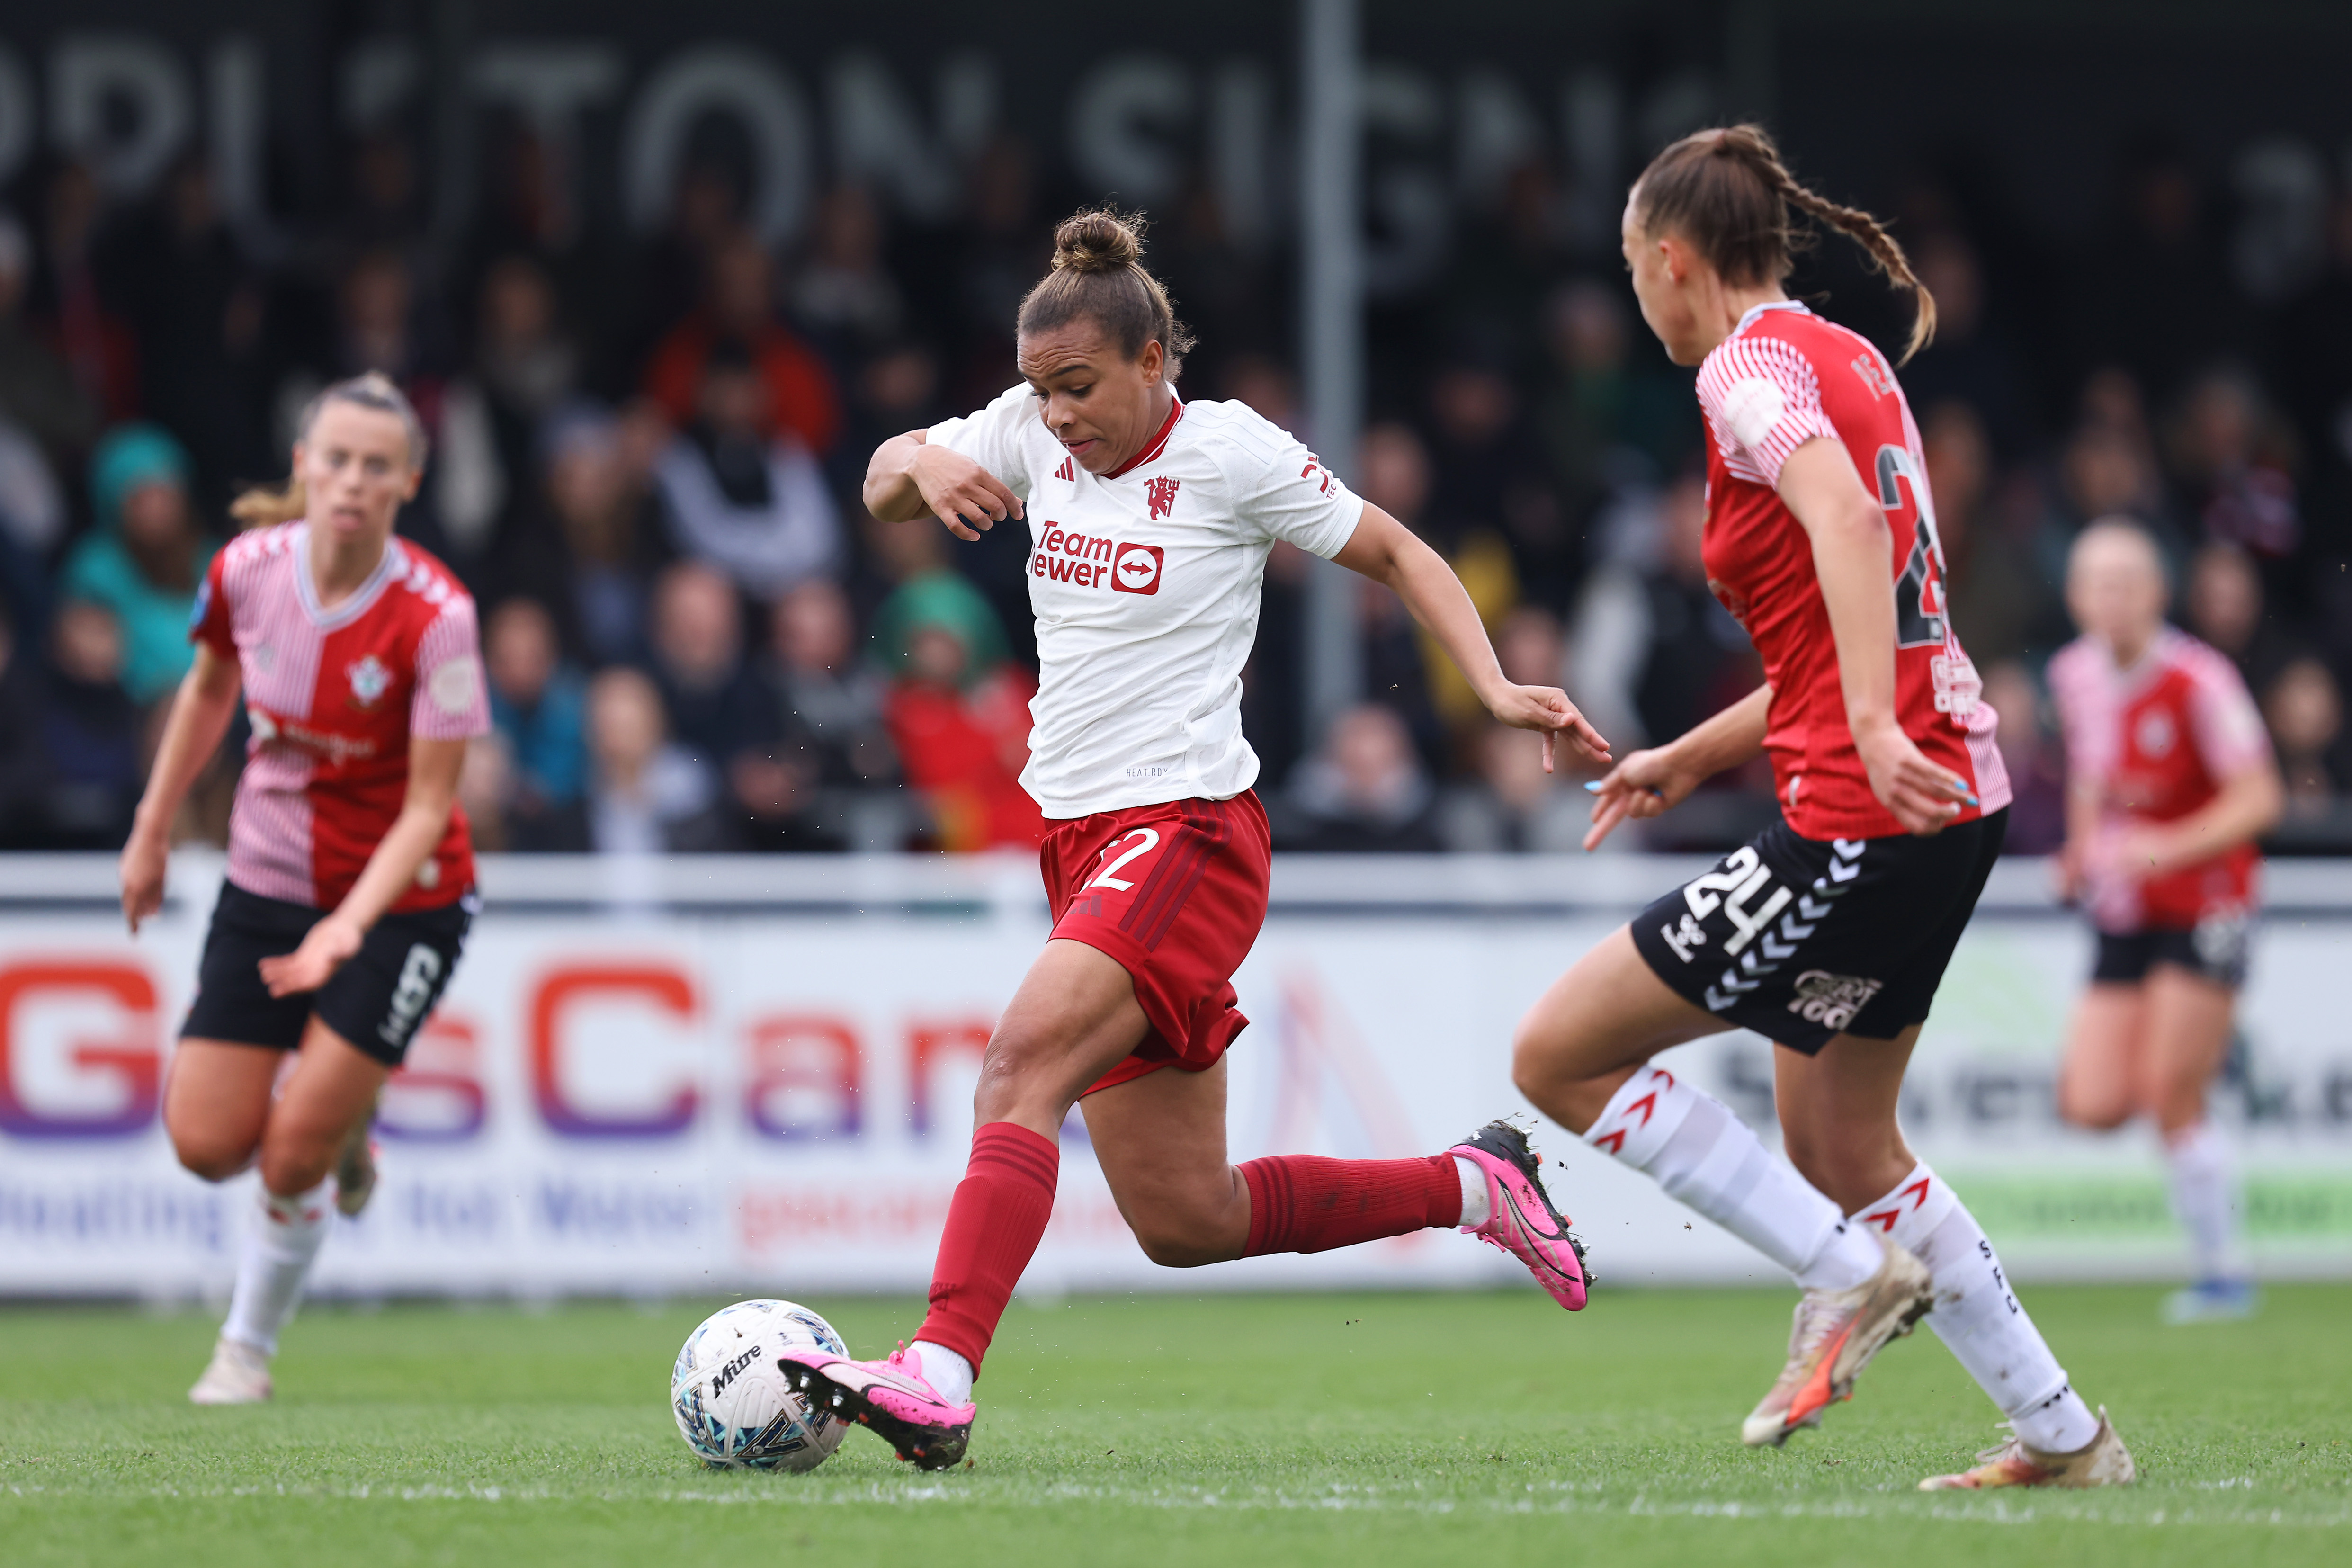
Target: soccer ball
(734,1408)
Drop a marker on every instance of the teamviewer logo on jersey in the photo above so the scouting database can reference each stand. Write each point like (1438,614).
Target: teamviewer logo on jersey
(1136,569)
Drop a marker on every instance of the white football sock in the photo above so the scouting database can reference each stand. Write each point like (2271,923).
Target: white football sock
(280,1243)
(1977,1315)
(945,1370)
(2205,1199)
(1477,1208)
(1706,1157)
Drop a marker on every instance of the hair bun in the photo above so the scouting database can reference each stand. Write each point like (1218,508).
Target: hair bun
(1102,240)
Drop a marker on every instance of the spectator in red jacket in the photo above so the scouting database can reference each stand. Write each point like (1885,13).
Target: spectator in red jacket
(738,301)
(961,724)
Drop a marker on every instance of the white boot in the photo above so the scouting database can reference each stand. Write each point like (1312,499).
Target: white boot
(239,1374)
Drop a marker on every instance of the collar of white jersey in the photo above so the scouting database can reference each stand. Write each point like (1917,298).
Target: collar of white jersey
(1156,445)
(394,561)
(1755,311)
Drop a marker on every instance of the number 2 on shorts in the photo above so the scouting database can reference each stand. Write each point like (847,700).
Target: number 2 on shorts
(1146,840)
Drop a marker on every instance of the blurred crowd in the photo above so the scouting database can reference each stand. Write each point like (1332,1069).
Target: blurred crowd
(647,452)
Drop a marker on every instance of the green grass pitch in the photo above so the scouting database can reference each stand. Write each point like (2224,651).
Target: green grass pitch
(1327,1428)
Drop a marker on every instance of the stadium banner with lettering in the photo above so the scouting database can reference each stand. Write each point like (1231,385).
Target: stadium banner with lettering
(902,100)
(757,1075)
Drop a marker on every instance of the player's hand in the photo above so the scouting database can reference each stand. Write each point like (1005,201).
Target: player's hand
(1545,709)
(2069,872)
(309,966)
(2134,855)
(1924,797)
(1645,784)
(960,493)
(143,856)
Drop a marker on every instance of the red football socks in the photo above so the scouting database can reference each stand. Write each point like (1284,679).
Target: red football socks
(994,1223)
(1300,1203)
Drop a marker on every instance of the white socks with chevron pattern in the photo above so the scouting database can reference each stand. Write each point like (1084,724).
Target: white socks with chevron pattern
(1706,1157)
(281,1244)
(2205,1199)
(1977,1315)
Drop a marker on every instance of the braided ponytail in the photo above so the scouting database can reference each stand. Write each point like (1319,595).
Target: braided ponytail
(1727,192)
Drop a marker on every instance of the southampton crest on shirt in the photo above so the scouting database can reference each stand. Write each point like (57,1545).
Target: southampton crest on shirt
(1159,495)
(370,681)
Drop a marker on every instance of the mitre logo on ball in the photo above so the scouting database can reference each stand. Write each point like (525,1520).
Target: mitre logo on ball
(1136,569)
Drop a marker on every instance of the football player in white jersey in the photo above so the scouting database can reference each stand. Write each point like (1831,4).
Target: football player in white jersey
(1148,523)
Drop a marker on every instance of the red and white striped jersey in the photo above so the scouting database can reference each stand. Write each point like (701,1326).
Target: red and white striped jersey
(2157,741)
(1783,377)
(334,696)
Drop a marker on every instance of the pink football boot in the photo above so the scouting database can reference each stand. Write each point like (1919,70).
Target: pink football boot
(891,1396)
(1520,1216)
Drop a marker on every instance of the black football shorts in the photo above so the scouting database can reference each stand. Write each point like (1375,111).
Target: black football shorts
(1801,940)
(2214,949)
(375,1000)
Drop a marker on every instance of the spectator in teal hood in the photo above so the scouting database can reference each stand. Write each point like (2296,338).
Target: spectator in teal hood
(145,555)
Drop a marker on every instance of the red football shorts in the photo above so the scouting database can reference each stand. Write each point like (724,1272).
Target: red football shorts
(1176,893)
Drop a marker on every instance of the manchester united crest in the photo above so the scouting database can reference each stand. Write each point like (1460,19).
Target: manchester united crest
(1159,494)
(370,681)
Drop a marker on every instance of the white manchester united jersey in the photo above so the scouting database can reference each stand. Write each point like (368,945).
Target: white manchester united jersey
(1145,584)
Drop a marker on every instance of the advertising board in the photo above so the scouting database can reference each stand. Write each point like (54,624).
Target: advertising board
(757,1075)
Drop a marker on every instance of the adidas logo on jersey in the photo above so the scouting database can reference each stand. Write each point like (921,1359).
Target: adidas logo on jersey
(1091,561)
(1067,472)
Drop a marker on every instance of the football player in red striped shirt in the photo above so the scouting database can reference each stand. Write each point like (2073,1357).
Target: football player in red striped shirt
(2169,781)
(351,871)
(1829,931)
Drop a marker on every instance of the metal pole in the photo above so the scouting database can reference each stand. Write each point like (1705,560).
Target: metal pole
(1331,284)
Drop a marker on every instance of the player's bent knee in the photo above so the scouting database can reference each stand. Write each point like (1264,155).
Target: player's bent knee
(1539,1066)
(211,1160)
(1181,1229)
(1573,1101)
(1016,1069)
(2094,1113)
(293,1165)
(2093,1116)
(1174,1248)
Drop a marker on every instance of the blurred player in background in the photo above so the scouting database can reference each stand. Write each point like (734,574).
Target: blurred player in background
(351,871)
(1829,931)
(1149,521)
(2171,779)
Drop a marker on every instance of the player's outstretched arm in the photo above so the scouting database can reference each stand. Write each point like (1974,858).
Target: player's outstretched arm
(1388,552)
(201,711)
(1649,782)
(1851,557)
(908,476)
(414,833)
(2250,805)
